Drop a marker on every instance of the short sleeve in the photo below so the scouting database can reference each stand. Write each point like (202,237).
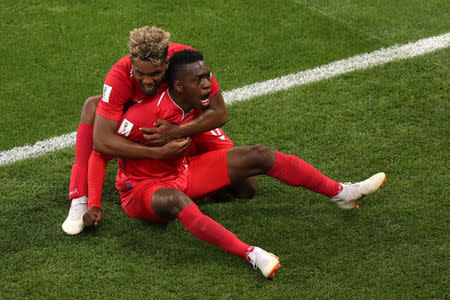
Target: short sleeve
(117,89)
(214,86)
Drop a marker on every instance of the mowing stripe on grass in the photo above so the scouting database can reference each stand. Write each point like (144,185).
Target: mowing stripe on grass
(336,68)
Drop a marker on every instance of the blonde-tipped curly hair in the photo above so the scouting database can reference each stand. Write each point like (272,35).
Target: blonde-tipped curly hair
(149,43)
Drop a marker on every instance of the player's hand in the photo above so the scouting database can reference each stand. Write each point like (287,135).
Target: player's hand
(93,216)
(162,134)
(174,147)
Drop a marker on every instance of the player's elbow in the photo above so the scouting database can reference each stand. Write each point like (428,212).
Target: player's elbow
(104,136)
(102,145)
(222,118)
(99,146)
(220,110)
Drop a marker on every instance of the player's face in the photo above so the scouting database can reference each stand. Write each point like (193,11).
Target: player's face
(149,75)
(197,85)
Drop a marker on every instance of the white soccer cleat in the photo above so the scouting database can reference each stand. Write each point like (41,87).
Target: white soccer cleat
(74,221)
(266,262)
(348,198)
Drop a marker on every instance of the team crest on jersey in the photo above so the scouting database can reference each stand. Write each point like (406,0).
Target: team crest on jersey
(125,127)
(106,93)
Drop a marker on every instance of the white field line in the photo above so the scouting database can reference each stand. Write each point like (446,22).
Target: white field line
(38,149)
(336,68)
(339,67)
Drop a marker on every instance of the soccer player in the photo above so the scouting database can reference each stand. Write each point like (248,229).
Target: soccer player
(136,78)
(159,190)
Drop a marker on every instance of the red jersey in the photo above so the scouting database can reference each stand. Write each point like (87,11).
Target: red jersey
(144,114)
(121,86)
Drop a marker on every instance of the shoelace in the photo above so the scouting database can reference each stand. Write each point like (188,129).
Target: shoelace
(352,187)
(254,265)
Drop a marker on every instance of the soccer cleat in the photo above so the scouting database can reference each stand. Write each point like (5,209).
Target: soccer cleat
(348,198)
(266,262)
(74,221)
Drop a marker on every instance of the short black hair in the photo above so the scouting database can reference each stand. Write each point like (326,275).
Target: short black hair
(181,58)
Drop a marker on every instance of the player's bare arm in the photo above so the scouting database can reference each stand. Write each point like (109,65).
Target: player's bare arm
(107,142)
(215,116)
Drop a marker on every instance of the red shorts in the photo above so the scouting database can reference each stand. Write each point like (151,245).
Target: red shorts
(207,173)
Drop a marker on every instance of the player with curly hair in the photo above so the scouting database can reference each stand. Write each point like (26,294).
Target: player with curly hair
(137,78)
(160,190)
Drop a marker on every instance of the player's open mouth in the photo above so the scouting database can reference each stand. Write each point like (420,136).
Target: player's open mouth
(205,96)
(205,99)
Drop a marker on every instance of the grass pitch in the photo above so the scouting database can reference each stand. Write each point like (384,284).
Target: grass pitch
(392,118)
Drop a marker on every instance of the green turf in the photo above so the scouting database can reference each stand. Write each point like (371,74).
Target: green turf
(57,53)
(392,118)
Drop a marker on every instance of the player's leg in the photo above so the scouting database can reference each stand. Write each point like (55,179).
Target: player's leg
(245,189)
(171,203)
(160,204)
(216,140)
(258,159)
(78,178)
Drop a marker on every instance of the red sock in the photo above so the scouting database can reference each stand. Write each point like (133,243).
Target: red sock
(83,149)
(296,172)
(208,230)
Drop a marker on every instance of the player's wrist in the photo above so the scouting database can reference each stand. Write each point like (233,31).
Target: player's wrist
(95,205)
(154,153)
(189,129)
(177,132)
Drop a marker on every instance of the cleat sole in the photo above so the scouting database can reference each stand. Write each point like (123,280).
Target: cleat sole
(384,181)
(274,270)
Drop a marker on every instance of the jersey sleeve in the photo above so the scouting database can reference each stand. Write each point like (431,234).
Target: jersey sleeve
(130,130)
(117,89)
(214,86)
(96,177)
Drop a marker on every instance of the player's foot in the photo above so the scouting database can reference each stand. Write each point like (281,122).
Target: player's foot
(266,262)
(74,221)
(348,198)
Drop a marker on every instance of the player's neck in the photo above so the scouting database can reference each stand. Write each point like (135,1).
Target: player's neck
(178,99)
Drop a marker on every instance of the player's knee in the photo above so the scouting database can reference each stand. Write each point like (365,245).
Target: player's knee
(170,202)
(261,156)
(88,110)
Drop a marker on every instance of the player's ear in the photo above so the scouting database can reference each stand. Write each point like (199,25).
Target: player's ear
(178,86)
